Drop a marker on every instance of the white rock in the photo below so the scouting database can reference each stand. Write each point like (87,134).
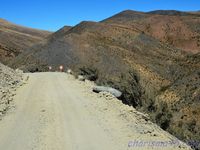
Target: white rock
(81,78)
(113,91)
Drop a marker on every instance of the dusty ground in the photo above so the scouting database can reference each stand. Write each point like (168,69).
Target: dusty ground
(53,111)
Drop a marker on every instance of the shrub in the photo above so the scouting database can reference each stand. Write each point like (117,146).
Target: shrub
(89,73)
(130,87)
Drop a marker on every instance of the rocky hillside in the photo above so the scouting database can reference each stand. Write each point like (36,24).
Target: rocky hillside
(180,29)
(153,74)
(15,39)
(9,80)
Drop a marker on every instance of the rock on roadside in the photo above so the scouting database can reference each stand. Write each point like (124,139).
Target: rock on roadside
(81,78)
(9,80)
(113,91)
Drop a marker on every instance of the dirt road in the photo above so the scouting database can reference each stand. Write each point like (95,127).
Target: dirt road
(53,111)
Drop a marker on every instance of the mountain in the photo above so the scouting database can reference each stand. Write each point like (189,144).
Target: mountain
(155,76)
(14,39)
(173,13)
(179,29)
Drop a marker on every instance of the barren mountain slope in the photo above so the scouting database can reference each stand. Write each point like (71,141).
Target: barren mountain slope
(155,77)
(180,29)
(15,39)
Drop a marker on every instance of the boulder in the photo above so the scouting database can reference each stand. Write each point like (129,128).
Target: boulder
(81,78)
(113,91)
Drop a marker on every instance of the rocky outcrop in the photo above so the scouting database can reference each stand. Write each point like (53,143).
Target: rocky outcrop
(9,81)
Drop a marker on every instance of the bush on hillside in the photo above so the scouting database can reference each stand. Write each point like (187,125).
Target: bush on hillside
(89,73)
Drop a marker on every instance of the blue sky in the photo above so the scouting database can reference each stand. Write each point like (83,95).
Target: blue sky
(52,15)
